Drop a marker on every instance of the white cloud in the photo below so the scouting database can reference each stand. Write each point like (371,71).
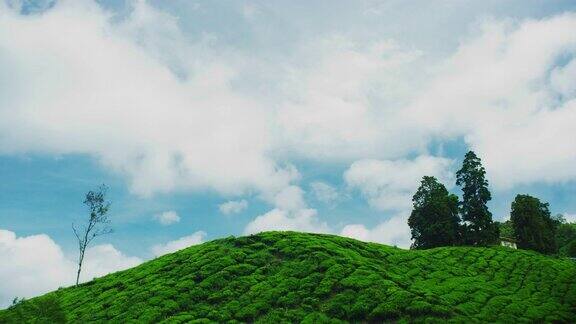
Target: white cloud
(167,217)
(233,207)
(105,258)
(179,244)
(507,91)
(510,93)
(291,213)
(394,231)
(343,101)
(324,192)
(389,185)
(303,220)
(168,114)
(35,264)
(112,87)
(290,198)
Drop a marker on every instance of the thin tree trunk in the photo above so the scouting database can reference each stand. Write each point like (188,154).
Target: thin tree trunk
(78,273)
(80,260)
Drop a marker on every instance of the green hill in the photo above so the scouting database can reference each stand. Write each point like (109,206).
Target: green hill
(287,276)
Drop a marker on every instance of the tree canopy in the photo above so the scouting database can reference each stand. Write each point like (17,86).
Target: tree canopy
(434,220)
(534,228)
(479,229)
(565,236)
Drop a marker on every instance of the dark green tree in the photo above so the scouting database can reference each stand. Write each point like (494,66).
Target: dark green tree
(434,219)
(479,229)
(534,228)
(569,249)
(565,236)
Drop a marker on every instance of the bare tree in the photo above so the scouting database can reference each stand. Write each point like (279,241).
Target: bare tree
(98,223)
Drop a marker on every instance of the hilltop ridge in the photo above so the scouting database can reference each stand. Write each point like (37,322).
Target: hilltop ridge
(316,278)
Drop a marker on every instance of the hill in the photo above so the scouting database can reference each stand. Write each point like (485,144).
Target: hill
(287,276)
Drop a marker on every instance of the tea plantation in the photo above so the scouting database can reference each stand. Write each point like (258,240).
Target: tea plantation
(278,277)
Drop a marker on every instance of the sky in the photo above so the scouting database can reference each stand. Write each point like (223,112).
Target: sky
(214,118)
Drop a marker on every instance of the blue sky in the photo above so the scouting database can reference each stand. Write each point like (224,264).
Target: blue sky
(315,116)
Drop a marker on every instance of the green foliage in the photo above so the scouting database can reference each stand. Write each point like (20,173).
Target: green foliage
(505,229)
(569,249)
(296,277)
(566,237)
(534,228)
(434,220)
(479,228)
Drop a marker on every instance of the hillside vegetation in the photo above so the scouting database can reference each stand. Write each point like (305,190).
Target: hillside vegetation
(287,276)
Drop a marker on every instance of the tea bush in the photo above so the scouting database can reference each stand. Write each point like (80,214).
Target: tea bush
(313,278)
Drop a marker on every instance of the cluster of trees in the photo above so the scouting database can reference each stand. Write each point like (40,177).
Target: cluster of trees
(539,231)
(439,218)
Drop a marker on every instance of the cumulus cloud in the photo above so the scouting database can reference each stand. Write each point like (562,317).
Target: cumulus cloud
(179,244)
(166,112)
(36,264)
(389,185)
(303,220)
(393,231)
(112,87)
(233,206)
(290,198)
(291,213)
(510,93)
(105,258)
(507,91)
(324,192)
(167,217)
(344,101)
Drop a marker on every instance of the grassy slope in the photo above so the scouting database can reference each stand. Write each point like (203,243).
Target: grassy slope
(290,276)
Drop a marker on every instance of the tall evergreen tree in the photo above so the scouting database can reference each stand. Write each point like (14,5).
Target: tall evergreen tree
(534,228)
(479,229)
(434,220)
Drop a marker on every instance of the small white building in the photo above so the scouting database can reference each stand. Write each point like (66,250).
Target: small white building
(508,242)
